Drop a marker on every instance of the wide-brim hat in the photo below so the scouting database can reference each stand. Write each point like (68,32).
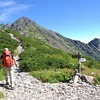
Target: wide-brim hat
(6,49)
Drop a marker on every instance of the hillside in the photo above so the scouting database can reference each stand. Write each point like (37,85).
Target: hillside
(29,88)
(30,28)
(49,65)
(38,55)
(89,49)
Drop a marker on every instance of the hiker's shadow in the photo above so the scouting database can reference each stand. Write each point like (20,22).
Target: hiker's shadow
(4,86)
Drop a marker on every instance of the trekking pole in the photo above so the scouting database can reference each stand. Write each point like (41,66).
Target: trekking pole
(14,61)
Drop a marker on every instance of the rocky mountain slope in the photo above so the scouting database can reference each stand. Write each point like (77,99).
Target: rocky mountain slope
(28,27)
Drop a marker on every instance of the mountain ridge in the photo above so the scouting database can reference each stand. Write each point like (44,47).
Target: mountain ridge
(27,27)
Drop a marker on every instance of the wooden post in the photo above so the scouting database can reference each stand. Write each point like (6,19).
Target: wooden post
(79,64)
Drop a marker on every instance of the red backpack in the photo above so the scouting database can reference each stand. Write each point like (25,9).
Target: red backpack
(7,59)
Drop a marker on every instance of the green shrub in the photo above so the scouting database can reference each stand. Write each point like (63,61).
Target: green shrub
(52,76)
(98,79)
(6,41)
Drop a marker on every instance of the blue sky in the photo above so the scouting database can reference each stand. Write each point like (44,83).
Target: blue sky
(75,19)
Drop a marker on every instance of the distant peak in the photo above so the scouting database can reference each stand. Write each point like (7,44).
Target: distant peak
(24,19)
(95,40)
(22,23)
(95,43)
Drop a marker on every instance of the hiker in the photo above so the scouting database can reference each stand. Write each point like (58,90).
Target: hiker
(8,63)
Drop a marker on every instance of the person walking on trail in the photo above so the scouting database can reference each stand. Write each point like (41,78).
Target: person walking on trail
(8,63)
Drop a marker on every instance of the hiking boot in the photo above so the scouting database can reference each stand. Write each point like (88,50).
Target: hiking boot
(12,88)
(7,83)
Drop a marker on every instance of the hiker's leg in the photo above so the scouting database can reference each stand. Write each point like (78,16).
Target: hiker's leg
(12,76)
(6,70)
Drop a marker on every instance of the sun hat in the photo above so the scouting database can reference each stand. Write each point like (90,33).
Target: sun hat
(6,49)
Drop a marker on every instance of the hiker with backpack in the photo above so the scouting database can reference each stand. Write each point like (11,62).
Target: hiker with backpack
(8,63)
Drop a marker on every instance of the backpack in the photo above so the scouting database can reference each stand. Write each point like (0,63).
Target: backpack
(7,59)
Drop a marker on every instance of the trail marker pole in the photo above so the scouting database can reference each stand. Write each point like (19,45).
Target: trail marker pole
(79,63)
(80,59)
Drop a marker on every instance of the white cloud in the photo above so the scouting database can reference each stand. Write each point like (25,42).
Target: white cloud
(7,3)
(10,8)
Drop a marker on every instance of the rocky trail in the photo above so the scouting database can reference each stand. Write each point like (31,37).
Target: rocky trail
(29,88)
